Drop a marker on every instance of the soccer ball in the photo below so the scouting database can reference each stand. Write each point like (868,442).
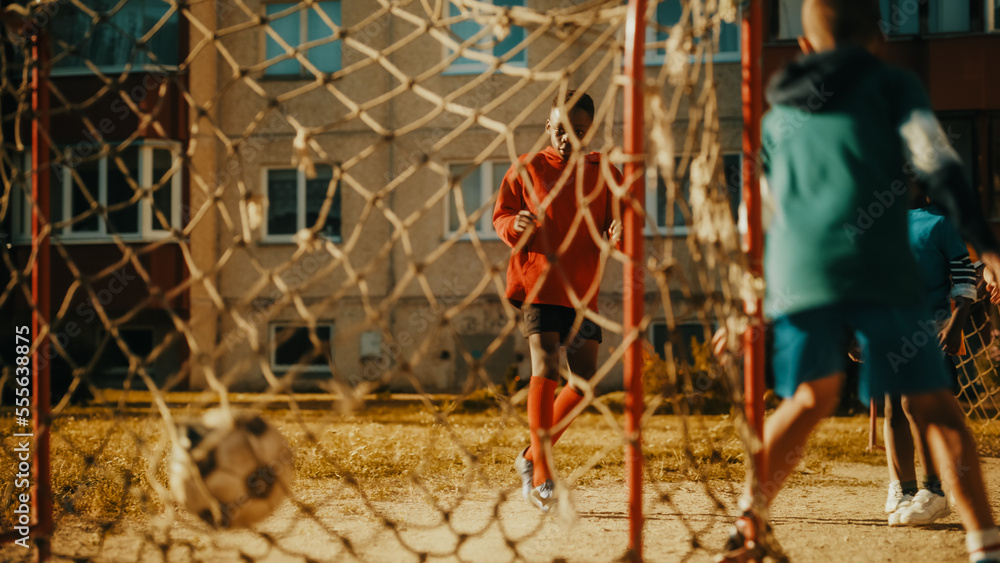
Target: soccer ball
(230,470)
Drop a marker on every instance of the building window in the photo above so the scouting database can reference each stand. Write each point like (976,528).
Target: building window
(477,189)
(789,19)
(140,345)
(669,13)
(295,346)
(993,15)
(110,44)
(949,16)
(672,220)
(108,180)
(17,175)
(686,340)
(310,29)
(295,202)
(465,28)
(899,17)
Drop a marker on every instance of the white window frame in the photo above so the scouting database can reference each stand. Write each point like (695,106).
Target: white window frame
(303,39)
(652,176)
(275,328)
(487,193)
(300,207)
(654,57)
(21,233)
(990,13)
(149,227)
(475,67)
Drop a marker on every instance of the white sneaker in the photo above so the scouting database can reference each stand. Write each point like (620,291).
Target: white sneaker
(925,508)
(895,497)
(527,471)
(904,504)
(543,496)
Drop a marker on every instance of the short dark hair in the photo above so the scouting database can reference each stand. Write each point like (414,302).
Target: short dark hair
(848,21)
(585,103)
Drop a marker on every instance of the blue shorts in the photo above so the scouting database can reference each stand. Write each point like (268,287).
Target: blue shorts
(899,349)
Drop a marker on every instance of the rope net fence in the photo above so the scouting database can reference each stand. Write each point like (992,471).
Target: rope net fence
(977,368)
(280,216)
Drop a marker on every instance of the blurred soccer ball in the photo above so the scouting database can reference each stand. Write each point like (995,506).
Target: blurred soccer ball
(230,471)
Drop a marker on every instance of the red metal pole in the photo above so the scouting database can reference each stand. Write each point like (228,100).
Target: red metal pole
(42,490)
(753,367)
(634,296)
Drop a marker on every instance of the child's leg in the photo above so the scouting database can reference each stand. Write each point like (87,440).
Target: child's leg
(899,444)
(923,449)
(787,430)
(939,417)
(544,349)
(582,358)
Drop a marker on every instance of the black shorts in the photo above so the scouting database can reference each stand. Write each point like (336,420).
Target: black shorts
(556,318)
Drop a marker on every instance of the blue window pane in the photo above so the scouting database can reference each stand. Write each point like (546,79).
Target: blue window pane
(663,197)
(125,220)
(471,195)
(948,17)
(515,36)
(324,57)
(282,201)
(899,17)
(89,175)
(113,43)
(463,31)
(729,37)
(316,192)
(288,28)
(668,13)
(163,44)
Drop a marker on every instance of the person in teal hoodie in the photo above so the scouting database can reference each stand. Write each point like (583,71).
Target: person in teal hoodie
(948,278)
(845,135)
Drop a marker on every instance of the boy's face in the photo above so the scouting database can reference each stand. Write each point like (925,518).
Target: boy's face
(562,140)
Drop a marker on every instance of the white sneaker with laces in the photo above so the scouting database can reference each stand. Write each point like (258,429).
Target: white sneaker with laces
(526,470)
(543,496)
(925,508)
(895,497)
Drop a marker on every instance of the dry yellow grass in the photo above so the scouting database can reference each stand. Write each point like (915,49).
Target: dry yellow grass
(100,465)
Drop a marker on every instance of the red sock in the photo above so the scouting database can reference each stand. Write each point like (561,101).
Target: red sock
(567,400)
(541,392)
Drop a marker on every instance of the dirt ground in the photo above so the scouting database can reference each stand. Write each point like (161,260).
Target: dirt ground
(833,514)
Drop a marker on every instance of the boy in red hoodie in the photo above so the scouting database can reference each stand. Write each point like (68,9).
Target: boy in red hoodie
(554,208)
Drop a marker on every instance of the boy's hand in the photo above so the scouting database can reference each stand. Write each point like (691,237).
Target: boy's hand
(523,221)
(950,336)
(991,275)
(615,231)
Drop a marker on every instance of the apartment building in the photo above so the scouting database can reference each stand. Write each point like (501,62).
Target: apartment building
(408,135)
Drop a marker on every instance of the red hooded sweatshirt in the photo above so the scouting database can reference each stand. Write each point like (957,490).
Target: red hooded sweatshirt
(563,251)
